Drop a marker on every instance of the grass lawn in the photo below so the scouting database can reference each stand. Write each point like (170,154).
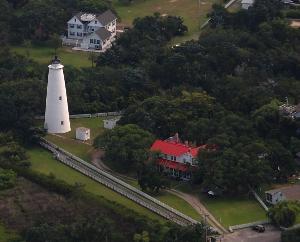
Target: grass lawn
(44,55)
(233,211)
(42,161)
(67,141)
(179,204)
(193,12)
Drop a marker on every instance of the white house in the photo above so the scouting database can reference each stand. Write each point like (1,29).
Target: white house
(176,158)
(274,196)
(83,133)
(92,31)
(247,3)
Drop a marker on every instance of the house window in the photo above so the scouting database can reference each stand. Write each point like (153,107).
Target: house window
(174,158)
(60,98)
(79,34)
(62,122)
(95,22)
(72,33)
(71,26)
(75,20)
(79,26)
(98,42)
(91,41)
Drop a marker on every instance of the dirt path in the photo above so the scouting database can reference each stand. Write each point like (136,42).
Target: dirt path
(200,208)
(97,161)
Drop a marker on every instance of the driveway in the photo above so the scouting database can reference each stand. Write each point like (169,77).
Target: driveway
(248,235)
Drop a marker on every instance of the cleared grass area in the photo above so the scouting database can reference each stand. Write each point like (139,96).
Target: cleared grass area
(44,55)
(233,211)
(68,142)
(179,204)
(193,12)
(43,162)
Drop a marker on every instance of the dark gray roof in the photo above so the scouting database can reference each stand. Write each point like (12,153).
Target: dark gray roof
(103,33)
(106,17)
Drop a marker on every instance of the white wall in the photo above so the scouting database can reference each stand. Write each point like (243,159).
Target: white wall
(82,134)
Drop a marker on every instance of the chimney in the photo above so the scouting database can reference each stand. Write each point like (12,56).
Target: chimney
(176,136)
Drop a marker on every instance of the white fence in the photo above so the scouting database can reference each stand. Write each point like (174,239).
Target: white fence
(260,200)
(89,115)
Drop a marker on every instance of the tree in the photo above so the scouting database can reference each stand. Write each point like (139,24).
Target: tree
(143,237)
(7,179)
(284,213)
(126,147)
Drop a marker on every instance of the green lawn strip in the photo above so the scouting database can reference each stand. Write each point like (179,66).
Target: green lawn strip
(94,124)
(75,147)
(233,211)
(179,204)
(43,162)
(193,13)
(44,55)
(6,235)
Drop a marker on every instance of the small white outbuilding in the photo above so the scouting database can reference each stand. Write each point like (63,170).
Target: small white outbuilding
(247,3)
(110,123)
(83,133)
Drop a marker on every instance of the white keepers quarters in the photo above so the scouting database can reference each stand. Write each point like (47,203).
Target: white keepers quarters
(57,112)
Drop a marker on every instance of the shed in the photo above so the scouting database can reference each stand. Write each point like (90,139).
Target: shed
(274,196)
(247,3)
(110,123)
(83,133)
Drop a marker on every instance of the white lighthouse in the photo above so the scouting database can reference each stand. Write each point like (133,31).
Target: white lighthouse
(57,112)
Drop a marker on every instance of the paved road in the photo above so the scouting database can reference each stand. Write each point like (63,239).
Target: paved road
(200,208)
(248,235)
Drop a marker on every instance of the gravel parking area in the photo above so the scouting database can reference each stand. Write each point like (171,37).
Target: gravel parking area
(271,234)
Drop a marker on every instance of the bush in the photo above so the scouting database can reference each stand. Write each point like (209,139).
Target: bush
(284,213)
(7,179)
(292,235)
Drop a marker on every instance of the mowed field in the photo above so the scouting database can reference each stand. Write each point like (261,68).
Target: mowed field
(193,12)
(233,211)
(44,55)
(42,161)
(68,142)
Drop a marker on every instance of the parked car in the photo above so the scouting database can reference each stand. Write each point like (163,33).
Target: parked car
(259,228)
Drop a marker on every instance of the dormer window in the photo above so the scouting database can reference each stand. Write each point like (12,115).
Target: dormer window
(75,20)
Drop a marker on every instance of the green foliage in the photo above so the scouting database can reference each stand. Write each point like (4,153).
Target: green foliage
(291,235)
(235,169)
(7,179)
(143,237)
(127,147)
(149,179)
(284,213)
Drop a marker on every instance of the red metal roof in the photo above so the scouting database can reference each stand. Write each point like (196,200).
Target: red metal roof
(173,165)
(175,149)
